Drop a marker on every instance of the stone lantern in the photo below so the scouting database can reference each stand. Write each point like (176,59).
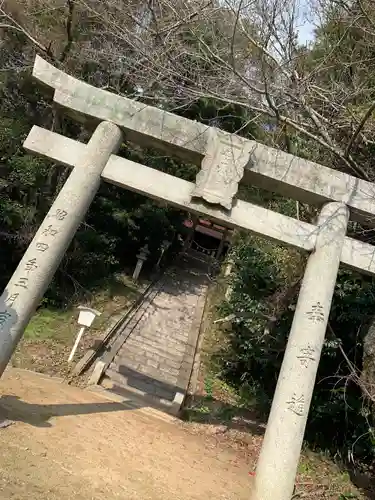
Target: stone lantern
(142,257)
(163,247)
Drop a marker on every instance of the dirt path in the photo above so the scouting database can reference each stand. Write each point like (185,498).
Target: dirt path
(71,443)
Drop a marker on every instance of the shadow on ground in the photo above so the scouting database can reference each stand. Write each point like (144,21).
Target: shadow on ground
(14,409)
(118,288)
(364,481)
(206,410)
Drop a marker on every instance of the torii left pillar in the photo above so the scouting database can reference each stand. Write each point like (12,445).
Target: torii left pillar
(43,256)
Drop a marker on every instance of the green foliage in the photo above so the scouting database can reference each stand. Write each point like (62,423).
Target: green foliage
(50,322)
(266,280)
(339,419)
(118,222)
(208,387)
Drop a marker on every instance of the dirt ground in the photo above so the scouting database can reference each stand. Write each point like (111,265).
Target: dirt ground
(66,442)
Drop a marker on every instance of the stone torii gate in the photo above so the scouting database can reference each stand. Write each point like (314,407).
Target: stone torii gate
(225,159)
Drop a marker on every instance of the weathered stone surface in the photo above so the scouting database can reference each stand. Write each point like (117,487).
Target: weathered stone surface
(222,169)
(225,158)
(266,167)
(279,457)
(154,126)
(160,186)
(157,356)
(40,261)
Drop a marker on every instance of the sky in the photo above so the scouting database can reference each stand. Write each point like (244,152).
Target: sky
(306,28)
(306,33)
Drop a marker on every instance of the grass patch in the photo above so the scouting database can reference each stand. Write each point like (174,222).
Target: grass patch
(115,296)
(47,323)
(318,476)
(50,334)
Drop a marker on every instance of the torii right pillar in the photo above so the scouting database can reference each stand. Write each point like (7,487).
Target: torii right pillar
(280,453)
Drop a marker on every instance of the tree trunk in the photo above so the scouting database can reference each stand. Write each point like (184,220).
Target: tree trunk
(368,371)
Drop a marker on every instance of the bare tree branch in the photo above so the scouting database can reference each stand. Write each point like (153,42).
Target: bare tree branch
(361,124)
(15,26)
(69,31)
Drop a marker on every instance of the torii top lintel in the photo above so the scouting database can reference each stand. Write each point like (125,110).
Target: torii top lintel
(226,159)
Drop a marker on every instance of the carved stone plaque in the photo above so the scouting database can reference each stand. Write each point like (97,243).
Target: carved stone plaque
(222,169)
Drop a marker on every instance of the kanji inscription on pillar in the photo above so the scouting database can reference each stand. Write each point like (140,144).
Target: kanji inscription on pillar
(316,313)
(60,214)
(4,317)
(306,355)
(11,299)
(41,246)
(22,282)
(49,231)
(31,265)
(297,404)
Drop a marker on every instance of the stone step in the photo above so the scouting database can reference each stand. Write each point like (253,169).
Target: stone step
(145,344)
(161,373)
(139,318)
(141,385)
(198,260)
(161,334)
(134,322)
(141,400)
(174,344)
(137,352)
(163,369)
(154,361)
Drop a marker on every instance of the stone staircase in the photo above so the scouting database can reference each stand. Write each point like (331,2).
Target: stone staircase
(152,358)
